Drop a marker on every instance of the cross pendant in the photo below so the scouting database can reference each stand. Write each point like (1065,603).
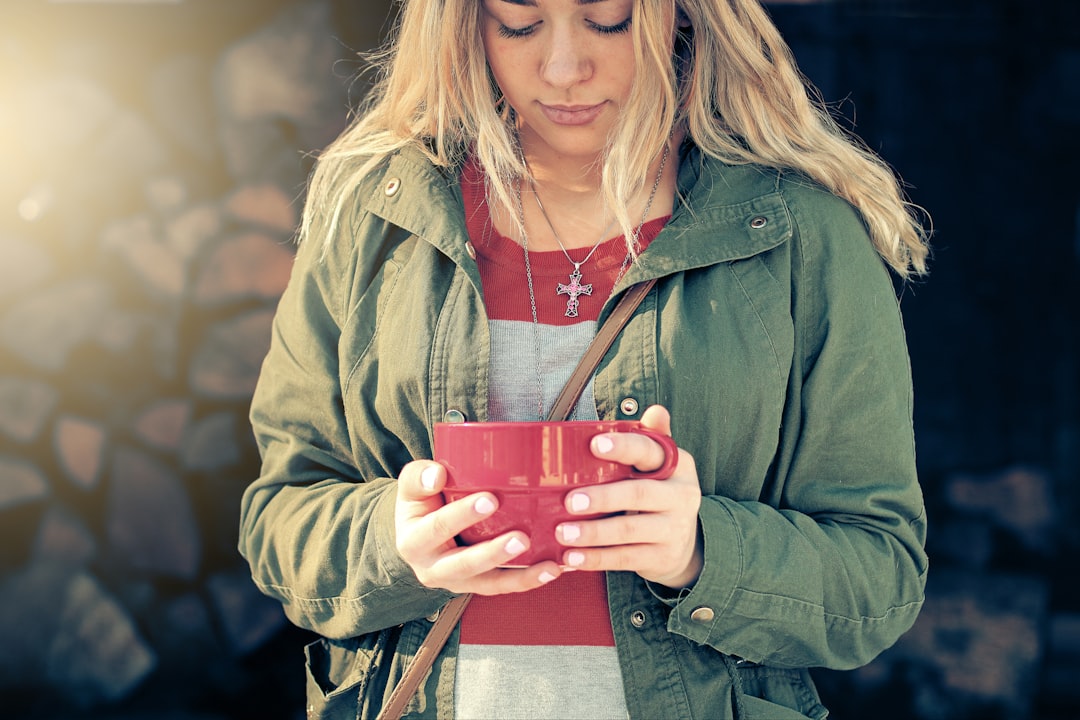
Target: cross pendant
(574,289)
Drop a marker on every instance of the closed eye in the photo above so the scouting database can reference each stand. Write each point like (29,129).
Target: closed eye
(509,32)
(612,29)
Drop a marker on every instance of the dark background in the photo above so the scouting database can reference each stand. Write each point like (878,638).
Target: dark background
(152,158)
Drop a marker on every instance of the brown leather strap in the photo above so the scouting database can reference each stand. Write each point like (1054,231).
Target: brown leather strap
(450,614)
(425,657)
(605,336)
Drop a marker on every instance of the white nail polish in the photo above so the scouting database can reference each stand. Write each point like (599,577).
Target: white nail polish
(515,546)
(428,477)
(579,502)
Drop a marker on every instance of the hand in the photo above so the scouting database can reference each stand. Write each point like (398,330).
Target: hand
(426,528)
(658,536)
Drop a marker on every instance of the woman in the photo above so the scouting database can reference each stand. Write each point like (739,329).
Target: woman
(514,153)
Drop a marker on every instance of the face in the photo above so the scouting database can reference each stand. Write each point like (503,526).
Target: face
(565,66)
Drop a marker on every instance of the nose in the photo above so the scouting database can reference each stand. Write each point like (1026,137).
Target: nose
(567,60)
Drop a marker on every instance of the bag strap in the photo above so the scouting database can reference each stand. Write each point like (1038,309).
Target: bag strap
(451,613)
(425,657)
(601,343)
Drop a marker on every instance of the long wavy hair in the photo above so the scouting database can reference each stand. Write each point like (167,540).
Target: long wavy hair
(718,68)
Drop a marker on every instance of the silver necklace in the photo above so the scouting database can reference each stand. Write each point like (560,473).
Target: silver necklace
(573,298)
(575,288)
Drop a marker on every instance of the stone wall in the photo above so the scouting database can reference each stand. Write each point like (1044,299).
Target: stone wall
(154,159)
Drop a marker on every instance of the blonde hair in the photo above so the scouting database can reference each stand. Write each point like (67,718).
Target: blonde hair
(746,103)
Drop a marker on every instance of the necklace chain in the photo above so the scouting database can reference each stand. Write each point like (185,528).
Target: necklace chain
(603,234)
(575,287)
(575,277)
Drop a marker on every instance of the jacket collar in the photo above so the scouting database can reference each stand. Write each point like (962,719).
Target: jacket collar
(723,212)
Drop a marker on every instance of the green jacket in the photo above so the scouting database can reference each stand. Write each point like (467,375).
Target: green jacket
(774,338)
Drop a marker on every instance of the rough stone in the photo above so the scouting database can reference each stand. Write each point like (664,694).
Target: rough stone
(227,364)
(167,194)
(263,205)
(25,266)
(151,522)
(182,102)
(154,262)
(33,599)
(248,617)
(97,654)
(64,540)
(968,541)
(119,329)
(247,266)
(25,405)
(44,327)
(983,635)
(194,229)
(163,424)
(281,76)
(211,443)
(284,70)
(1018,499)
(123,233)
(22,483)
(80,448)
(61,114)
(130,144)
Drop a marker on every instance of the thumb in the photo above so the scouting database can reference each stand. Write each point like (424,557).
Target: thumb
(657,418)
(420,480)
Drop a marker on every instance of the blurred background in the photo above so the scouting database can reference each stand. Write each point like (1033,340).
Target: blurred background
(152,165)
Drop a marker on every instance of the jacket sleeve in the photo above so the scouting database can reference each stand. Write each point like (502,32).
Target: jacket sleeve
(828,567)
(318,536)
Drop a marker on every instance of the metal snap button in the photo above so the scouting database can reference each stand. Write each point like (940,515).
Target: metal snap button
(703,615)
(454,416)
(433,616)
(470,249)
(629,406)
(759,222)
(637,618)
(392,187)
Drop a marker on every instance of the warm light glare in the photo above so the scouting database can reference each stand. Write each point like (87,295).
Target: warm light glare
(36,203)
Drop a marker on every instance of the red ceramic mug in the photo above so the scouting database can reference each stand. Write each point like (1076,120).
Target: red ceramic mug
(530,467)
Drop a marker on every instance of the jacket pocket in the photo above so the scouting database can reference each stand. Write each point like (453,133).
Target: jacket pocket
(340,672)
(779,694)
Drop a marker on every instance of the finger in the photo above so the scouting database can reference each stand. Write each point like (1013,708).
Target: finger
(629,448)
(420,536)
(420,480)
(481,568)
(499,581)
(657,417)
(623,557)
(632,529)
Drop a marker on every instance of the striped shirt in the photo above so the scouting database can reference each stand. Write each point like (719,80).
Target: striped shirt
(550,652)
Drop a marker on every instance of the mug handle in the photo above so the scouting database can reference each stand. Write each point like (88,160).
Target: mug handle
(671,455)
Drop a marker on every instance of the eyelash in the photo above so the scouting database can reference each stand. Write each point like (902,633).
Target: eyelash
(509,32)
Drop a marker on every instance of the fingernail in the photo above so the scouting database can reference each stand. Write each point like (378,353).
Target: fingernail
(546,577)
(428,477)
(570,533)
(515,547)
(579,502)
(575,559)
(603,444)
(484,506)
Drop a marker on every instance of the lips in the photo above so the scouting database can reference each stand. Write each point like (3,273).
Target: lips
(572,114)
